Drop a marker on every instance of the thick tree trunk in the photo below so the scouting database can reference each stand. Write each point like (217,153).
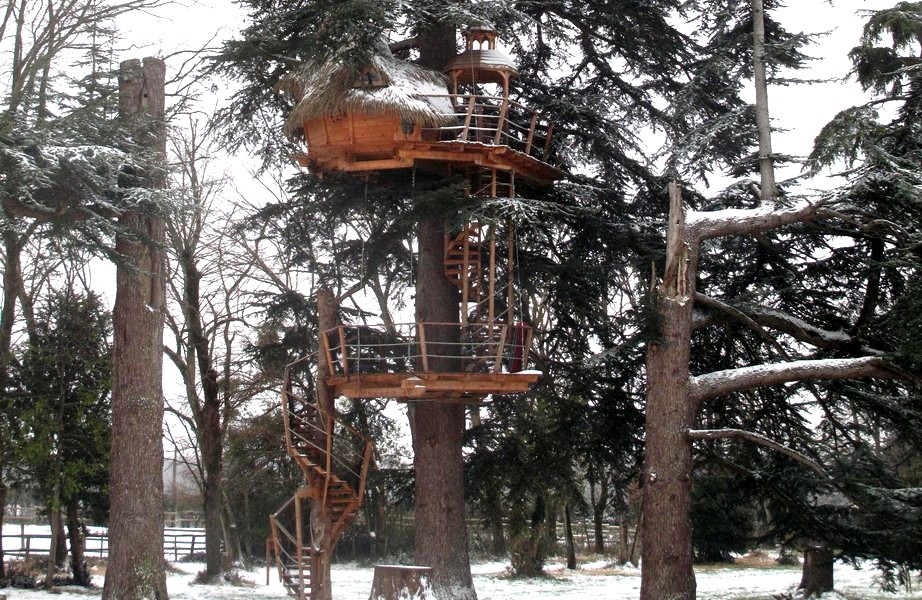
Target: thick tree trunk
(136,564)
(77,538)
(213,502)
(817,577)
(3,491)
(667,555)
(441,529)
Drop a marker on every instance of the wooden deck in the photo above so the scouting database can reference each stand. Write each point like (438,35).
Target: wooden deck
(479,131)
(406,387)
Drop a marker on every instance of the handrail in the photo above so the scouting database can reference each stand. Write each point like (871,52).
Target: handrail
(367,349)
(491,120)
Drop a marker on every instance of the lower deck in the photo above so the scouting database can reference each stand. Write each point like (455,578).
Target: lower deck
(412,386)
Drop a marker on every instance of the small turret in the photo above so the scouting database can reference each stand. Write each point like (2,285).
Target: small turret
(478,64)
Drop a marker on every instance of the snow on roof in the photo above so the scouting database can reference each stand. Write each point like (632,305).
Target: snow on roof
(394,87)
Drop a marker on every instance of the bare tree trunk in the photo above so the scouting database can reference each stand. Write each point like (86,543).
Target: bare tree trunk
(666,523)
(54,544)
(598,513)
(817,577)
(763,122)
(11,283)
(60,552)
(136,564)
(624,548)
(327,318)
(568,533)
(77,537)
(496,523)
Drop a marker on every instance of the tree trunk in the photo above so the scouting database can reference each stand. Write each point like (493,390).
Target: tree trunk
(817,575)
(496,523)
(441,529)
(54,519)
(60,551)
(763,123)
(667,555)
(136,564)
(568,532)
(76,536)
(327,318)
(624,549)
(598,515)
(12,281)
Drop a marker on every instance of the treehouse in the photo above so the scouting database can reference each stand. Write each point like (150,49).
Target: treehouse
(391,115)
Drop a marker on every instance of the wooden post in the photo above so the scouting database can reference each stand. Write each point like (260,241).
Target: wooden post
(531,134)
(501,122)
(343,356)
(424,353)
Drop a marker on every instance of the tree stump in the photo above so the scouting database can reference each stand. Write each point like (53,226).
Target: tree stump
(401,582)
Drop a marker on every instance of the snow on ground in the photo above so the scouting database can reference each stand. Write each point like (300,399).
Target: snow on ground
(591,582)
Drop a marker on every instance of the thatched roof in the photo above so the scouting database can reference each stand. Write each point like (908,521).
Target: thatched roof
(389,87)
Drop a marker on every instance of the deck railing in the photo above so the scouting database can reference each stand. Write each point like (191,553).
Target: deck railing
(416,347)
(496,120)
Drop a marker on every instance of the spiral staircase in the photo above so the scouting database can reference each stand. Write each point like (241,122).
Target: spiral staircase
(334,459)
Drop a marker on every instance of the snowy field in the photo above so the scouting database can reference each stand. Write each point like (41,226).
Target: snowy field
(591,582)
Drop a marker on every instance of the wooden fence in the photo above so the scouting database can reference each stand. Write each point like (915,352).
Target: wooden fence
(177,543)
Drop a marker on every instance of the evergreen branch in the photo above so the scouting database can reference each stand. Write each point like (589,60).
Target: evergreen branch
(741,434)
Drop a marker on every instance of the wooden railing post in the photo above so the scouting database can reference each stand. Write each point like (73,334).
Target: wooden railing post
(531,133)
(501,121)
(498,361)
(343,357)
(467,119)
(424,353)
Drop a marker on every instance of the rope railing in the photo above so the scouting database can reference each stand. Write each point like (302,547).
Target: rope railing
(409,347)
(497,120)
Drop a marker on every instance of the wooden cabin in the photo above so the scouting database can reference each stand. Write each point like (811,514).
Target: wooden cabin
(393,114)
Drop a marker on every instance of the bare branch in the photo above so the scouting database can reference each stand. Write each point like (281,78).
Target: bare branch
(720,383)
(734,221)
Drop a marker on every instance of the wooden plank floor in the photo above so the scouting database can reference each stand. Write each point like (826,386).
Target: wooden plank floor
(431,386)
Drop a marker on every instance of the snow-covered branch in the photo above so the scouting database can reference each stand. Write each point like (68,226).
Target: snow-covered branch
(720,383)
(736,221)
(741,434)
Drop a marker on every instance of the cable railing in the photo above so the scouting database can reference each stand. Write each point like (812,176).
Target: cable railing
(496,120)
(417,347)
(346,453)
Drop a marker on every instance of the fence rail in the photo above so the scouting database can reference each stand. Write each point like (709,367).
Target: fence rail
(177,543)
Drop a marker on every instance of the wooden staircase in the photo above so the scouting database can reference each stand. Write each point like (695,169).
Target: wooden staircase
(334,459)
